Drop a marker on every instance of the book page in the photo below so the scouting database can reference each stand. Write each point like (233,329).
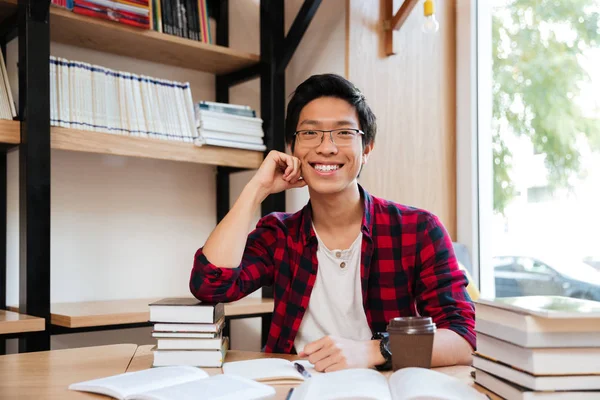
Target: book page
(349,384)
(219,387)
(123,385)
(263,370)
(426,384)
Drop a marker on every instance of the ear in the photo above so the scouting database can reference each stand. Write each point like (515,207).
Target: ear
(367,152)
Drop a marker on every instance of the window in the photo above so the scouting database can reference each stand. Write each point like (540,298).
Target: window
(543,131)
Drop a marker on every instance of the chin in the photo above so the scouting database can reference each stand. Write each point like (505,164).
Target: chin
(324,187)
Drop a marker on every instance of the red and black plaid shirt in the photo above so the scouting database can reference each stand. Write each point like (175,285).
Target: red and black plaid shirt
(408,267)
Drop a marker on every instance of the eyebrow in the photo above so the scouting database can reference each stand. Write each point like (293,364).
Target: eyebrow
(343,122)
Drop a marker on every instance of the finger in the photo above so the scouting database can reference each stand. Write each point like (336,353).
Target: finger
(316,345)
(338,366)
(324,353)
(327,362)
(297,172)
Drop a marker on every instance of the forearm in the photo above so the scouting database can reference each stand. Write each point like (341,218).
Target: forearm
(449,348)
(225,245)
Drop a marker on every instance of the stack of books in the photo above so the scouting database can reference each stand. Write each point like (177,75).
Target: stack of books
(129,12)
(538,347)
(228,125)
(94,98)
(188,332)
(184,18)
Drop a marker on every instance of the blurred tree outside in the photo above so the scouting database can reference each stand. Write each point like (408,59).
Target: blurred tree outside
(537,78)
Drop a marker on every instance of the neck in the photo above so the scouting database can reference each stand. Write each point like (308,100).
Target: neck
(337,211)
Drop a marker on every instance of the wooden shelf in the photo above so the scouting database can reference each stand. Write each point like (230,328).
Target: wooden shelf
(10,131)
(106,143)
(112,37)
(134,311)
(12,322)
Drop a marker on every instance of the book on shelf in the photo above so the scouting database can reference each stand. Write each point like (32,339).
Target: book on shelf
(94,98)
(193,358)
(540,321)
(68,4)
(186,310)
(227,125)
(127,13)
(175,383)
(536,382)
(183,18)
(8,108)
(510,390)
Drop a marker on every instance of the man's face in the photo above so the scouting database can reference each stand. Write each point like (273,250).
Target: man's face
(330,167)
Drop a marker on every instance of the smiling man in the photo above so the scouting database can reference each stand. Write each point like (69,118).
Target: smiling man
(348,262)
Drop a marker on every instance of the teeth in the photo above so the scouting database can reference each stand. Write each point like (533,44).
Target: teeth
(326,168)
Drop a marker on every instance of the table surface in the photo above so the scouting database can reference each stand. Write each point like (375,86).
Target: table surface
(48,374)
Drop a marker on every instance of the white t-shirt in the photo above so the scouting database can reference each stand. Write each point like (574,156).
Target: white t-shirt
(335,307)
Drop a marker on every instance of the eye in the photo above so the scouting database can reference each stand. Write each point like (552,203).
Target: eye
(308,133)
(345,133)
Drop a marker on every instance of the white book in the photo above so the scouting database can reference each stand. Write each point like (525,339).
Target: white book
(274,371)
(224,126)
(189,344)
(537,382)
(88,97)
(175,383)
(65,94)
(192,358)
(53,92)
(512,391)
(208,134)
(201,113)
(200,141)
(189,111)
(190,327)
(139,105)
(541,361)
(368,384)
(195,335)
(148,114)
(183,126)
(9,96)
(186,310)
(123,104)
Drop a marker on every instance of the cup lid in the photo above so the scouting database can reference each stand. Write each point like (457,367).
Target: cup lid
(411,322)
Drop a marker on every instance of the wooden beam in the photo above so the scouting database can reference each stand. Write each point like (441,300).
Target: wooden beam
(393,22)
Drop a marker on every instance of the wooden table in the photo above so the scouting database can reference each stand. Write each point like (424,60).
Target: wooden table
(47,375)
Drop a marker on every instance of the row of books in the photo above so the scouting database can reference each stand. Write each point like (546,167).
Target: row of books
(184,18)
(188,332)
(538,347)
(8,108)
(228,125)
(90,97)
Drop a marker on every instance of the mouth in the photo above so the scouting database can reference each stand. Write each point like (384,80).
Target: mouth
(326,169)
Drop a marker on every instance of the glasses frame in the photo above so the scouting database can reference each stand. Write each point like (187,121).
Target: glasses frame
(323,131)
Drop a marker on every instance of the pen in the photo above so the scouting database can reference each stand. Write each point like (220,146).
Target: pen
(289,395)
(302,370)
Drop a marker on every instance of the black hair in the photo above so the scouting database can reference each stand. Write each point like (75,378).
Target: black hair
(329,85)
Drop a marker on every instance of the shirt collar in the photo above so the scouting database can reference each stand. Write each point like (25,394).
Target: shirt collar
(308,233)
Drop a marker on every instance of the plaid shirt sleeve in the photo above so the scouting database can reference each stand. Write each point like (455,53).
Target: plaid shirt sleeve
(441,286)
(211,283)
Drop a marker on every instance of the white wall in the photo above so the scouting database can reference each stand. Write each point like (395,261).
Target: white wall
(128,228)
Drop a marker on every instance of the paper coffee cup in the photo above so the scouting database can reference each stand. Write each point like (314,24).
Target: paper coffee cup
(411,341)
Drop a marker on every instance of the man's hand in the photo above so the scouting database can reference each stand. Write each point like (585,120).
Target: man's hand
(332,353)
(278,172)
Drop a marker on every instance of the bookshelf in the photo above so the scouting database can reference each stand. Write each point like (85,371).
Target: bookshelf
(109,37)
(12,322)
(41,24)
(10,132)
(124,145)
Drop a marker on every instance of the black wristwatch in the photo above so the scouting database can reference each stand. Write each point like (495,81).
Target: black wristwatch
(384,347)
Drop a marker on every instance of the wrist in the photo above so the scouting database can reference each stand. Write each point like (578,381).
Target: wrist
(254,193)
(375,356)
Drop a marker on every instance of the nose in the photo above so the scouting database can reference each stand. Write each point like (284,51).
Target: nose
(327,146)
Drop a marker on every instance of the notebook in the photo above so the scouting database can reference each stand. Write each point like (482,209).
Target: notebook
(175,383)
(269,370)
(368,384)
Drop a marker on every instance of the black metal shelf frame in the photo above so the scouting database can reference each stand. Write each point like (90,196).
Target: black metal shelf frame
(31,25)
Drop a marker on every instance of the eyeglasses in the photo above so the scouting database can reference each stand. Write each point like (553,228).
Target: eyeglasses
(339,137)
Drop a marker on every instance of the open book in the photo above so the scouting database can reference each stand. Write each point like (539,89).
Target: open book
(175,383)
(269,370)
(368,384)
